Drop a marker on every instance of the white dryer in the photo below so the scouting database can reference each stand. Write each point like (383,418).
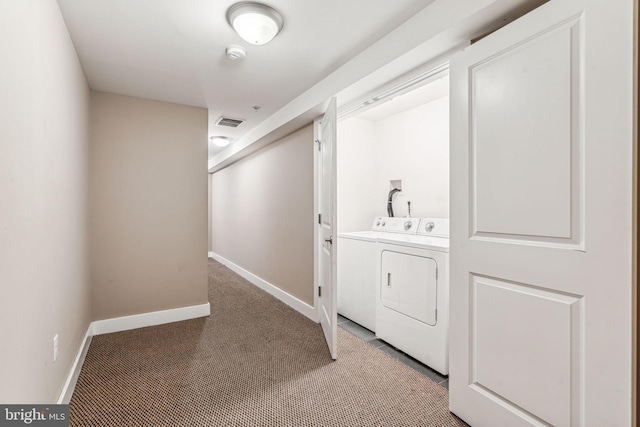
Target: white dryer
(356,275)
(412,292)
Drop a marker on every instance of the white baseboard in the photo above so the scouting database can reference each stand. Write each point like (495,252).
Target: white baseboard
(125,323)
(153,318)
(293,302)
(72,378)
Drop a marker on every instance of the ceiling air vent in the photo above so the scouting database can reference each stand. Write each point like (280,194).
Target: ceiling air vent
(228,122)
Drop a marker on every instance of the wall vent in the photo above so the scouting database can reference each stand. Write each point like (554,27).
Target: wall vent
(229,122)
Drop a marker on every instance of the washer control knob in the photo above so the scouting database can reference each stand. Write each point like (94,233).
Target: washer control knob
(429,227)
(383,223)
(407,225)
(377,222)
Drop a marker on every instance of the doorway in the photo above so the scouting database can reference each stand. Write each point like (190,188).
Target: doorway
(395,142)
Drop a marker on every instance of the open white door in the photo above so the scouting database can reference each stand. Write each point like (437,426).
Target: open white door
(541,220)
(327,300)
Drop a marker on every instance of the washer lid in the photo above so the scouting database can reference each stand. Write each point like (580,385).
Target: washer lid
(421,242)
(368,236)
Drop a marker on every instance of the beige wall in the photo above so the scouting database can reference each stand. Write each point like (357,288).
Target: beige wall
(43,201)
(262,214)
(148,205)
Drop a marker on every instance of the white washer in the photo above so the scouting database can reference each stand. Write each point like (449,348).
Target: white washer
(357,277)
(412,292)
(357,267)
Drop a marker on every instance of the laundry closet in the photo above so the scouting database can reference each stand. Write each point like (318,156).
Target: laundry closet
(392,217)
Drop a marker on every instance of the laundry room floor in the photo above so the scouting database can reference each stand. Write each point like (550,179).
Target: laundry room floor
(370,338)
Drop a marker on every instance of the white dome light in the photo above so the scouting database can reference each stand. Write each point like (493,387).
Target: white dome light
(256,23)
(220,141)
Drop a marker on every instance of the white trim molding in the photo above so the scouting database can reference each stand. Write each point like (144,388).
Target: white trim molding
(74,373)
(293,302)
(153,318)
(316,214)
(125,323)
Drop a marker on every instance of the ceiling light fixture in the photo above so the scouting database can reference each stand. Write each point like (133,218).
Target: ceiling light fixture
(220,141)
(256,23)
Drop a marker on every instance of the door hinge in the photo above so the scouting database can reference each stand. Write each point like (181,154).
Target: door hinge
(319,291)
(319,218)
(319,142)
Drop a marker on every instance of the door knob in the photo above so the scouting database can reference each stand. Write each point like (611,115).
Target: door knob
(329,240)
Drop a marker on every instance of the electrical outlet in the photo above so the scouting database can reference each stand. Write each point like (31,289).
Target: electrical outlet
(55,347)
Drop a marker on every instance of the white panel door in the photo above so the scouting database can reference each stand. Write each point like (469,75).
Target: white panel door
(327,291)
(541,205)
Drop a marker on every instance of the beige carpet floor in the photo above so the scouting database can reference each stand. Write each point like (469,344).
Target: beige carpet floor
(253,362)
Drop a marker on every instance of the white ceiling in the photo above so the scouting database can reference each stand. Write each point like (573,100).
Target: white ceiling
(174,50)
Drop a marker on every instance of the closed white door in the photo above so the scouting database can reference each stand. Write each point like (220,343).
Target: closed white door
(327,290)
(541,220)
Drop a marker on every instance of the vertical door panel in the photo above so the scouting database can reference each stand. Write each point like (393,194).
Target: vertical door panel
(522,128)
